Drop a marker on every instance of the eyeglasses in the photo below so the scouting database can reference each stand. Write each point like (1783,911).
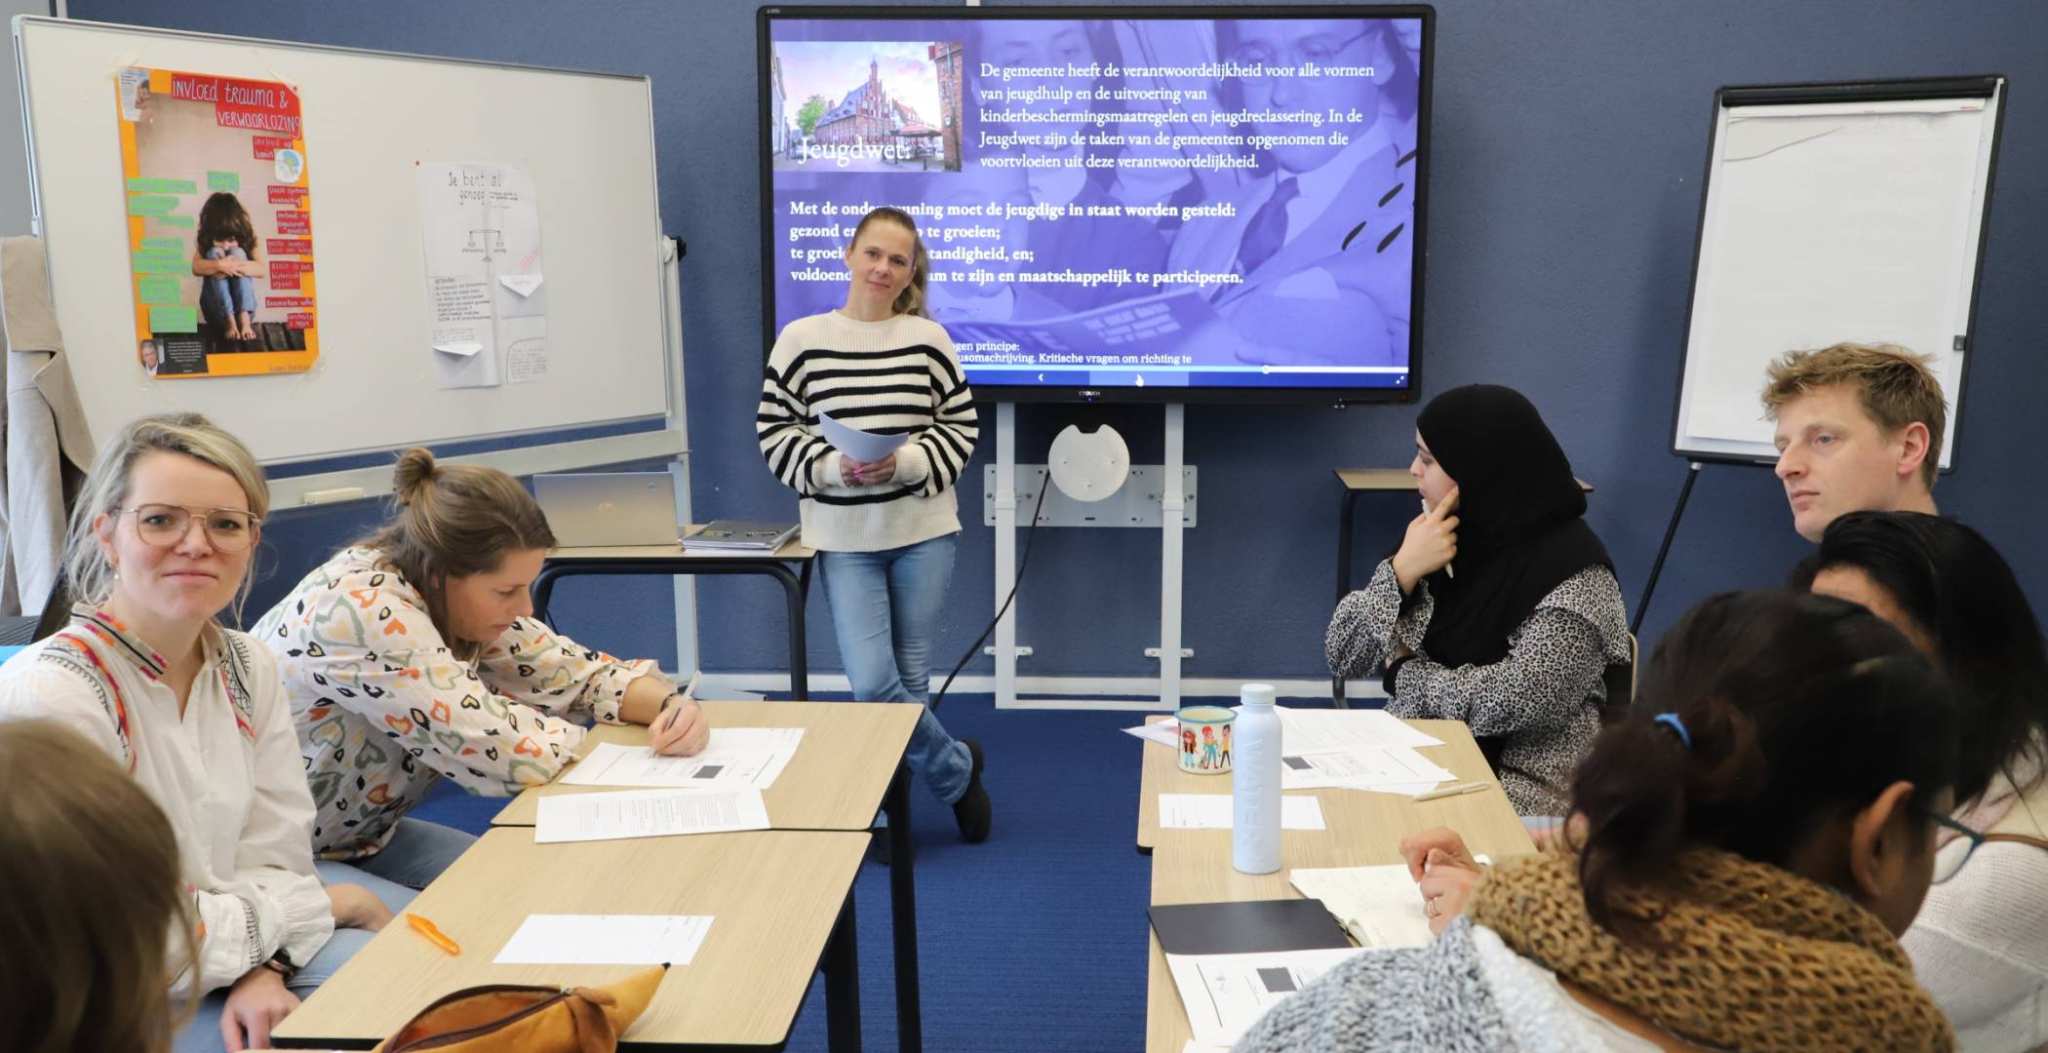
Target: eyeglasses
(1949,861)
(1319,50)
(230,530)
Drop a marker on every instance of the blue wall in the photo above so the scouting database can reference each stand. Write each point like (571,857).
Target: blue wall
(1568,142)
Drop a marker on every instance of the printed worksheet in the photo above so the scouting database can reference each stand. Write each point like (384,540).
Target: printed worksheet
(606,939)
(735,758)
(647,813)
(1212,811)
(1224,994)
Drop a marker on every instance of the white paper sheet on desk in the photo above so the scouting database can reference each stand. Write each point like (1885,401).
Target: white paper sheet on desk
(735,758)
(646,813)
(1329,729)
(862,446)
(1379,906)
(1358,767)
(1161,733)
(1211,811)
(1225,994)
(606,939)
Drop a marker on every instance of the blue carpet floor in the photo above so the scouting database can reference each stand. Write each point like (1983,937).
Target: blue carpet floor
(1032,941)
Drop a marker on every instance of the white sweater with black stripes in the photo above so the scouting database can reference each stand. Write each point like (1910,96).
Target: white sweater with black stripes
(894,377)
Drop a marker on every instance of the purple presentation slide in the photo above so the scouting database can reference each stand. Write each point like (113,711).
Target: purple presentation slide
(1114,202)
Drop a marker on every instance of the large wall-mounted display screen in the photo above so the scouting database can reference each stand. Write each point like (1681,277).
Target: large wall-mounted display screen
(1145,204)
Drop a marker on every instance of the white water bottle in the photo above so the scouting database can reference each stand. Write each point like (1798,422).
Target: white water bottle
(1255,794)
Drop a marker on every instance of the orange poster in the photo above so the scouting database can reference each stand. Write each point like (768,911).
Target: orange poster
(220,230)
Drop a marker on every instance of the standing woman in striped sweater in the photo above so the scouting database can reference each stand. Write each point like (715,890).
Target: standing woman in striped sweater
(885,531)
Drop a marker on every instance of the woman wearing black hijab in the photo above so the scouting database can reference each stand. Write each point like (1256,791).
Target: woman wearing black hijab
(1500,607)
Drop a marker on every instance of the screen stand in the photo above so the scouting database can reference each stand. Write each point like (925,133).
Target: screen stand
(1692,475)
(1006,650)
(1173,507)
(1173,501)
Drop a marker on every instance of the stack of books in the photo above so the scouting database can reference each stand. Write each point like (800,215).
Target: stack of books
(735,535)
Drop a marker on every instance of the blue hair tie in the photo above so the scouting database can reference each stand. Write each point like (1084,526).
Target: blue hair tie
(1677,726)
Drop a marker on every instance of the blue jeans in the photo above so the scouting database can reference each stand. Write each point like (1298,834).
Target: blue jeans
(417,853)
(885,608)
(227,297)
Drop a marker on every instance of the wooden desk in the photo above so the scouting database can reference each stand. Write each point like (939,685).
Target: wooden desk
(836,781)
(783,904)
(1356,482)
(851,764)
(1369,812)
(1193,866)
(790,565)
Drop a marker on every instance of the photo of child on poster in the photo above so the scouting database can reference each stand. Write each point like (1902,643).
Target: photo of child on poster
(219,224)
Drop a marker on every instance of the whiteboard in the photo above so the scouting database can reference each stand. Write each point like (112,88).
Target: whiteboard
(1833,213)
(370,118)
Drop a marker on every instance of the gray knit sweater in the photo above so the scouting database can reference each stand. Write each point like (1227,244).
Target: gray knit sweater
(1467,992)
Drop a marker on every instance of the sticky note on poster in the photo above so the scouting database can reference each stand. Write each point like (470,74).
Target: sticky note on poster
(143,185)
(168,318)
(151,204)
(160,263)
(175,221)
(231,182)
(163,245)
(523,284)
(158,289)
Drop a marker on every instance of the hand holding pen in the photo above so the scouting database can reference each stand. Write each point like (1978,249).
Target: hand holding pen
(680,729)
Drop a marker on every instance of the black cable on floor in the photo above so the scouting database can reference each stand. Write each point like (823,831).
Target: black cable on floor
(1022,562)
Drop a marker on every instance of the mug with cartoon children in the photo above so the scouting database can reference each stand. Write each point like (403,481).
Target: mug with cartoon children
(1205,739)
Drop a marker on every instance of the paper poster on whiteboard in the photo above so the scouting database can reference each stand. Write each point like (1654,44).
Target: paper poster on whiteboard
(220,231)
(486,287)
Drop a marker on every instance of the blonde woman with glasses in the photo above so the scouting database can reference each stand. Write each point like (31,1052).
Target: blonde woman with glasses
(159,546)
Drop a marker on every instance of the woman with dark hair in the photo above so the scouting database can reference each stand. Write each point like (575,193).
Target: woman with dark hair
(1980,944)
(1758,831)
(1500,606)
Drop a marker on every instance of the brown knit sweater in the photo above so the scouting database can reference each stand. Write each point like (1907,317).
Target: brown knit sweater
(1749,956)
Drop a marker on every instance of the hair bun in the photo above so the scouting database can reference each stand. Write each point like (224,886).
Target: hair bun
(415,469)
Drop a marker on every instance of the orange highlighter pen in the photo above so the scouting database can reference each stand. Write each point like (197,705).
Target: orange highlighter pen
(434,935)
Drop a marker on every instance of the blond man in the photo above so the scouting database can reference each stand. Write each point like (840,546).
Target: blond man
(1859,427)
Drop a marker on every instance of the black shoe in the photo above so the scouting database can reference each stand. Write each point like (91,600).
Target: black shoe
(972,811)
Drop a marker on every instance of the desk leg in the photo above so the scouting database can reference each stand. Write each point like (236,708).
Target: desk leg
(795,590)
(903,913)
(842,984)
(1345,517)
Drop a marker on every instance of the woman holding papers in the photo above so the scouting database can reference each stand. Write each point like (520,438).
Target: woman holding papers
(1759,831)
(1980,945)
(1500,606)
(159,545)
(884,524)
(413,655)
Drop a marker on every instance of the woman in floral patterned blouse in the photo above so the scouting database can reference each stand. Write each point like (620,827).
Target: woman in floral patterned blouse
(413,655)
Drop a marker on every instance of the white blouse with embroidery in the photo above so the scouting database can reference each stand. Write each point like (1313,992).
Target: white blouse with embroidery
(227,773)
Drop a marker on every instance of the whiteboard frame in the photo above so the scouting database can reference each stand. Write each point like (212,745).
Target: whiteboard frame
(1991,87)
(670,440)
